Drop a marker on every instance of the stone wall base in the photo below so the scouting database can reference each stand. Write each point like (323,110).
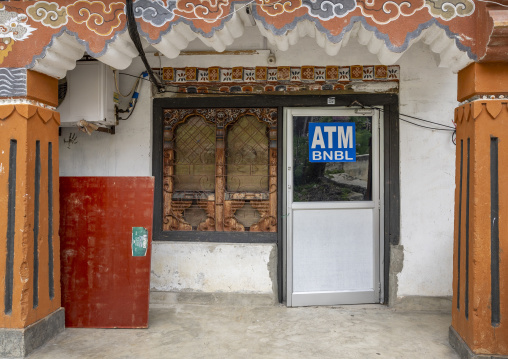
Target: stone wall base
(161,299)
(463,349)
(18,343)
(422,303)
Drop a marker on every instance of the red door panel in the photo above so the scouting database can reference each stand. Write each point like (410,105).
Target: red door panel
(103,285)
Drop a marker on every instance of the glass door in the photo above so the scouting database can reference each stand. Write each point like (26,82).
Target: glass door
(333,204)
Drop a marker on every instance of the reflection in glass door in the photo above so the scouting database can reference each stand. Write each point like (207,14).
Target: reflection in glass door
(333,207)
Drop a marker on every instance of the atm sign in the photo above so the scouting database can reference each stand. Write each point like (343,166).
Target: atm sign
(332,142)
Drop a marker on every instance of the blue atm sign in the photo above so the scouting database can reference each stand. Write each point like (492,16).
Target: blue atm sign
(332,142)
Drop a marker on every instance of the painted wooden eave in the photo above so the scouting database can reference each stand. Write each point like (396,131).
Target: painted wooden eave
(435,37)
(497,47)
(60,32)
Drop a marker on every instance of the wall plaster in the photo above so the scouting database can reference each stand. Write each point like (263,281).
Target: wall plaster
(427,171)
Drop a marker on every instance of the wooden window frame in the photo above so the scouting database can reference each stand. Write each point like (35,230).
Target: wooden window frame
(221,209)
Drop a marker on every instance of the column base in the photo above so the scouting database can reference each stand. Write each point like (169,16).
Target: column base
(18,343)
(463,349)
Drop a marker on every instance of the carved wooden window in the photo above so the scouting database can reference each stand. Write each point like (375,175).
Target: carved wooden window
(220,170)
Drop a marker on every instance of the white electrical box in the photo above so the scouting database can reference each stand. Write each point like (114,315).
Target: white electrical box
(90,91)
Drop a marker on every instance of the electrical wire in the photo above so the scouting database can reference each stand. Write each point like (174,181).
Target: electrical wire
(130,112)
(126,74)
(446,127)
(118,89)
(134,35)
(430,128)
(200,93)
(493,2)
(135,96)
(450,128)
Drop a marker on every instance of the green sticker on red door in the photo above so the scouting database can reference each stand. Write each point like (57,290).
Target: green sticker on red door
(139,241)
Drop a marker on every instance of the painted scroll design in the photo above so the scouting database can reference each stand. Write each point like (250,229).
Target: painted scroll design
(449,9)
(327,9)
(155,12)
(277,7)
(208,10)
(13,27)
(382,12)
(95,23)
(98,17)
(49,14)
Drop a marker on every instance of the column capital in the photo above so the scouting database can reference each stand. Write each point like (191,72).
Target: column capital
(483,79)
(26,84)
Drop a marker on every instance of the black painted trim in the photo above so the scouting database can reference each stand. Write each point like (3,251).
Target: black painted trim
(390,103)
(36,222)
(391,173)
(280,205)
(459,229)
(11,228)
(50,223)
(226,237)
(391,186)
(466,295)
(494,231)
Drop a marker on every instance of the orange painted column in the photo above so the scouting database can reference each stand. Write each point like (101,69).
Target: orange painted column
(29,204)
(480,276)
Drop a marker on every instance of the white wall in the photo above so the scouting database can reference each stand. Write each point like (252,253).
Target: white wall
(427,174)
(427,169)
(213,267)
(127,153)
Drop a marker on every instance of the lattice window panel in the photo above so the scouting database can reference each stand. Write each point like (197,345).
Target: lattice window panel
(220,170)
(247,154)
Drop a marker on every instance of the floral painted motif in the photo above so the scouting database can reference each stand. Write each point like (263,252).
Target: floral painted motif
(98,18)
(50,14)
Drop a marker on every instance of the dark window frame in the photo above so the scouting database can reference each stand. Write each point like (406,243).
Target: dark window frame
(390,105)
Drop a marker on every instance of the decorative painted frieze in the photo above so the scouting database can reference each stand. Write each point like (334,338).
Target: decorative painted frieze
(25,101)
(29,30)
(282,78)
(283,74)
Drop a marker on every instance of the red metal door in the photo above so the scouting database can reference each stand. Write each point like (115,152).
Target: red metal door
(103,284)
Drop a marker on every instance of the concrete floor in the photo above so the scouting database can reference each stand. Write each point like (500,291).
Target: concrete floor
(213,331)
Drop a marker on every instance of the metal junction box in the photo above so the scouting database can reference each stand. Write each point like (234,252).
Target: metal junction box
(90,89)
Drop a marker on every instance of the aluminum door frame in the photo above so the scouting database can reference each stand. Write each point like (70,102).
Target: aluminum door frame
(287,230)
